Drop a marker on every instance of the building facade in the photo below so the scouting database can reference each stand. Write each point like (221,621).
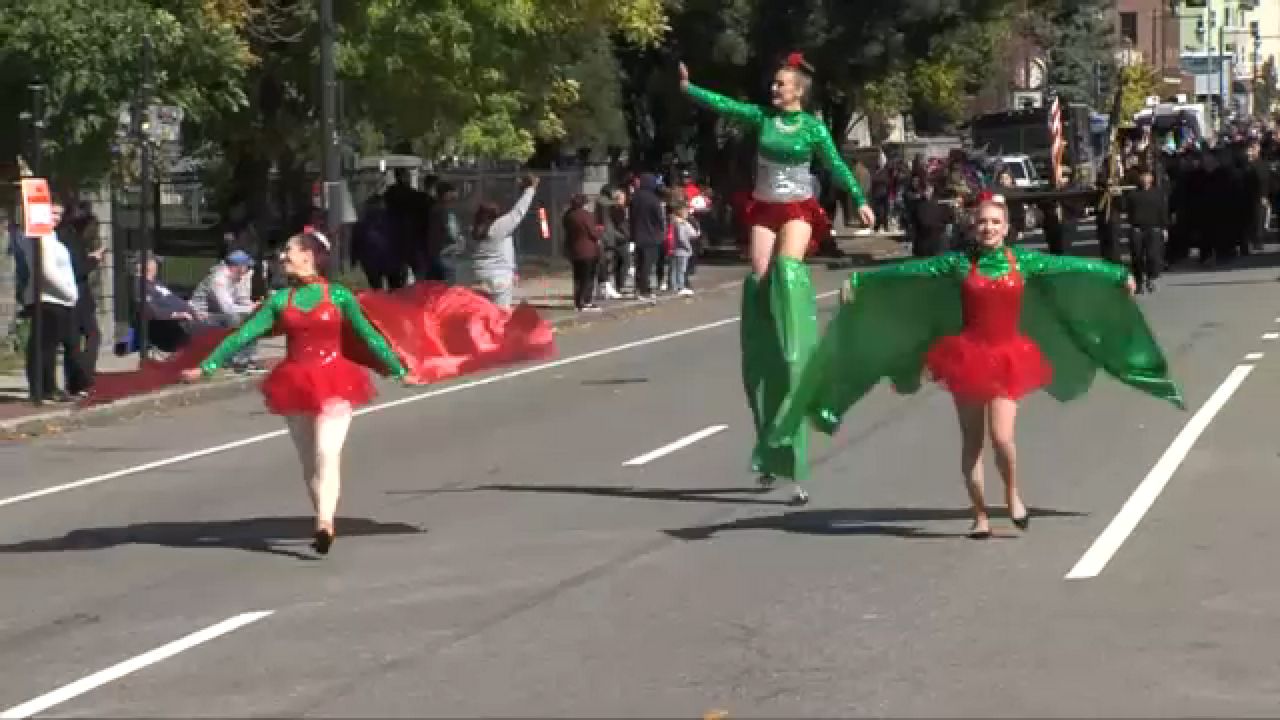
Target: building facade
(1221,45)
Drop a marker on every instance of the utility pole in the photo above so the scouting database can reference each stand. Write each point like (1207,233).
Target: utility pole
(331,167)
(37,247)
(141,126)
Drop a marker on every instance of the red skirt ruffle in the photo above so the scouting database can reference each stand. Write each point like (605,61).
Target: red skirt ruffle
(979,371)
(773,216)
(308,388)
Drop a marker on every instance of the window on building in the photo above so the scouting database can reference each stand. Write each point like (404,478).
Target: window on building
(1197,3)
(1129,26)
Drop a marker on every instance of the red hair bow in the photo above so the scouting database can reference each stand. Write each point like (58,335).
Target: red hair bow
(796,60)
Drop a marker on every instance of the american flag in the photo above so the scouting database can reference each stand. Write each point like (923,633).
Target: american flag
(1058,143)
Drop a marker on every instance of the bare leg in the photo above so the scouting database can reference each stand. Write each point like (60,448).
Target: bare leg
(1004,413)
(326,486)
(972,437)
(302,430)
(794,239)
(763,241)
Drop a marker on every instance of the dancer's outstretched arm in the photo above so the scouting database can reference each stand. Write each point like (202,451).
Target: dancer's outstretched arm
(259,324)
(350,307)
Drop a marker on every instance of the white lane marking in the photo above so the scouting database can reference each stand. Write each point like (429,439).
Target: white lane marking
(254,440)
(132,665)
(1253,356)
(669,448)
(1144,496)
(1270,336)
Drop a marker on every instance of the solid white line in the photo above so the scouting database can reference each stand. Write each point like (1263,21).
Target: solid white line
(1253,356)
(1144,496)
(1270,336)
(254,440)
(132,665)
(669,448)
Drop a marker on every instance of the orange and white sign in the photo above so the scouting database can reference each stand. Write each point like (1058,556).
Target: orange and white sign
(37,207)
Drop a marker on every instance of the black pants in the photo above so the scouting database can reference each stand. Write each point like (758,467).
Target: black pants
(613,267)
(646,258)
(662,266)
(584,282)
(88,339)
(1146,253)
(1109,240)
(42,361)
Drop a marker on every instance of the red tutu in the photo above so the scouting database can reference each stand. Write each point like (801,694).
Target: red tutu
(978,371)
(307,388)
(773,216)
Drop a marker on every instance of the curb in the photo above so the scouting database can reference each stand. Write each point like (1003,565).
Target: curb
(70,418)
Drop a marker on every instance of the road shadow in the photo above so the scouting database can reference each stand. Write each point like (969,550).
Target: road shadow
(888,522)
(611,382)
(269,535)
(714,496)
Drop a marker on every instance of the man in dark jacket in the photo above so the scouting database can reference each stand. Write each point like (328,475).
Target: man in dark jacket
(929,221)
(648,231)
(1148,208)
(80,235)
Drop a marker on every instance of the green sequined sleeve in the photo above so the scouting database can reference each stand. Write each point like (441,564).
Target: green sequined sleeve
(830,156)
(1034,263)
(350,308)
(728,108)
(259,324)
(938,266)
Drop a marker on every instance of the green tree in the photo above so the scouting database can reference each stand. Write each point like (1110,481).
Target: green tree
(1081,42)
(1137,83)
(88,54)
(484,78)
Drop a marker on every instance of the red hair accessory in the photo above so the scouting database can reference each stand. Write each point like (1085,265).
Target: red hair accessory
(988,197)
(319,236)
(796,60)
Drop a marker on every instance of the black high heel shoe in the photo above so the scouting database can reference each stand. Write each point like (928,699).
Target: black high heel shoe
(322,541)
(1022,522)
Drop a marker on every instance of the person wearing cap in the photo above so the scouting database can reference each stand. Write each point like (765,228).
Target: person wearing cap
(220,300)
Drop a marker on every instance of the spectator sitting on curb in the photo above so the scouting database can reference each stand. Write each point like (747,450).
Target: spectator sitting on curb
(221,299)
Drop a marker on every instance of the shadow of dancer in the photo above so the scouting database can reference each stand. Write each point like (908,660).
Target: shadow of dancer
(270,535)
(721,496)
(889,522)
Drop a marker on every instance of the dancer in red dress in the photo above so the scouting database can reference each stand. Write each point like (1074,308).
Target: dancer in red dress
(420,334)
(992,325)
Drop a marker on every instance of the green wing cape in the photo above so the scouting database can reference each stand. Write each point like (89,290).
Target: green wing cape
(1074,309)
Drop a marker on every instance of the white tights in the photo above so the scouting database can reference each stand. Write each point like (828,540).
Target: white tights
(318,440)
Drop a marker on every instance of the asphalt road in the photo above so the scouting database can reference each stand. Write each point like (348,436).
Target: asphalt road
(497,557)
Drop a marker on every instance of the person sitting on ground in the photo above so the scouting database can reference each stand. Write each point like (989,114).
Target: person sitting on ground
(171,320)
(220,300)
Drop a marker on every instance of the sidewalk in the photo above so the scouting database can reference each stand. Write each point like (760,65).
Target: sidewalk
(549,289)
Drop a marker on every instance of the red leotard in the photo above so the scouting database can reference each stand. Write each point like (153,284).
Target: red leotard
(314,372)
(990,358)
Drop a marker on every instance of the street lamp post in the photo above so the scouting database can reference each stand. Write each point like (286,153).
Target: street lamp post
(142,109)
(329,154)
(37,247)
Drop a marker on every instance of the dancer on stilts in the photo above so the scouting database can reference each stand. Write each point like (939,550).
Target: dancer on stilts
(428,332)
(992,324)
(779,307)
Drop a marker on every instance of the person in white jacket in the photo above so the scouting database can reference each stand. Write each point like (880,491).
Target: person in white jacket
(58,297)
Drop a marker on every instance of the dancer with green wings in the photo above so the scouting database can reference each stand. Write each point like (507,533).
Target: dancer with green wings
(992,325)
(779,307)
